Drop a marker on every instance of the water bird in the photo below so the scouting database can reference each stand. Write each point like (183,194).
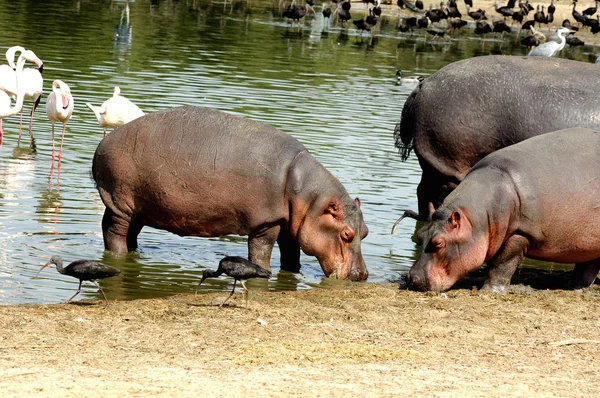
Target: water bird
(504,11)
(294,12)
(573,41)
(8,77)
(33,85)
(401,79)
(550,48)
(59,108)
(6,109)
(326,11)
(240,269)
(84,270)
(115,111)
(577,15)
(591,10)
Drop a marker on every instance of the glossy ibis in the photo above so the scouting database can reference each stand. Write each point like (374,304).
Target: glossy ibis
(84,270)
(591,10)
(240,269)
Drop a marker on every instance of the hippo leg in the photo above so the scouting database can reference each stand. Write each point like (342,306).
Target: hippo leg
(134,230)
(584,274)
(505,263)
(290,251)
(114,230)
(260,245)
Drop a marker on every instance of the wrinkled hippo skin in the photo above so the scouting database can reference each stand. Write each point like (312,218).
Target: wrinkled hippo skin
(474,107)
(199,172)
(539,198)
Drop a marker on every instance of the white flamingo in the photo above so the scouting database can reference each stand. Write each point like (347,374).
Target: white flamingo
(33,85)
(5,109)
(8,77)
(59,108)
(115,111)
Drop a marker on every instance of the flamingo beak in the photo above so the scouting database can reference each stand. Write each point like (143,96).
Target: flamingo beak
(43,266)
(41,67)
(65,101)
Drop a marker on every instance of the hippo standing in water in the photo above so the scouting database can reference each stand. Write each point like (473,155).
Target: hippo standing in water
(539,198)
(474,107)
(200,172)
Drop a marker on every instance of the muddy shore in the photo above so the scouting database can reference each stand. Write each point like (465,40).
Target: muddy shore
(359,339)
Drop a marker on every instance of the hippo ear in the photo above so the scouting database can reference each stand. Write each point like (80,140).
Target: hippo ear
(454,220)
(357,201)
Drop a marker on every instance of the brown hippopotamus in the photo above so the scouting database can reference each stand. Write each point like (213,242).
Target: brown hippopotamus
(539,198)
(474,107)
(199,172)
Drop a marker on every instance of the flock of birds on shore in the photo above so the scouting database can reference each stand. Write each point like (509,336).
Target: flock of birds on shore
(447,19)
(19,83)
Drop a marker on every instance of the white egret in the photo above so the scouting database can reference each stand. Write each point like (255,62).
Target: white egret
(551,48)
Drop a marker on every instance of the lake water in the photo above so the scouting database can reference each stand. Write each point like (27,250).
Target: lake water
(326,85)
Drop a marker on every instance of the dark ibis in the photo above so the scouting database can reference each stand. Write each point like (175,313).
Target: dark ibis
(84,270)
(240,269)
(591,10)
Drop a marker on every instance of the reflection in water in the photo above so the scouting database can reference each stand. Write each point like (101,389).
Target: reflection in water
(321,83)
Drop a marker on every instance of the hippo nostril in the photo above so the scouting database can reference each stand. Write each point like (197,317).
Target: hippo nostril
(416,282)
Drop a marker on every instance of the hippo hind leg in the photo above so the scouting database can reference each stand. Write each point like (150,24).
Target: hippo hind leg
(120,235)
(585,273)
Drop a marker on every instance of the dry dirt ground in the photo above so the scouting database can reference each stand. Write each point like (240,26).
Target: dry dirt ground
(353,340)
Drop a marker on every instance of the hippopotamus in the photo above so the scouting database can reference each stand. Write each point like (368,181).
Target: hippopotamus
(196,171)
(538,198)
(474,107)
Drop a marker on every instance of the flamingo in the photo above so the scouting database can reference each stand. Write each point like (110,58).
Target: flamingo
(59,108)
(115,111)
(5,109)
(8,77)
(32,83)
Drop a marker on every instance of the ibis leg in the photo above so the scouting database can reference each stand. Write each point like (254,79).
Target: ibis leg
(230,294)
(76,293)
(101,291)
(246,293)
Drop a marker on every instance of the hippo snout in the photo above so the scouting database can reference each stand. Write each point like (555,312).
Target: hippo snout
(359,274)
(417,281)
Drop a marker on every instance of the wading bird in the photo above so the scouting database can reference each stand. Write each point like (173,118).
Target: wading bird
(8,76)
(239,269)
(551,48)
(33,85)
(59,108)
(5,109)
(84,270)
(115,111)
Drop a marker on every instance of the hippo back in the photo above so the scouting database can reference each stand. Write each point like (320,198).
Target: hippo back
(473,107)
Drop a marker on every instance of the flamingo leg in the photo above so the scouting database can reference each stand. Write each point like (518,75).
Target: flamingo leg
(35,104)
(52,144)
(230,294)
(76,293)
(101,291)
(61,142)
(20,127)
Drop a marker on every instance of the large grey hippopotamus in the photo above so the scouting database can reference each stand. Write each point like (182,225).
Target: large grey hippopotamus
(199,172)
(539,198)
(473,107)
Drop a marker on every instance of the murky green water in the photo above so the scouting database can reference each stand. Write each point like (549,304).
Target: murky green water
(327,86)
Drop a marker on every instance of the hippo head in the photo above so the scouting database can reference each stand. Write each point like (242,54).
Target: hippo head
(332,232)
(449,251)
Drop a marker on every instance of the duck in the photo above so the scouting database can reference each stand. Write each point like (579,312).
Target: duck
(408,79)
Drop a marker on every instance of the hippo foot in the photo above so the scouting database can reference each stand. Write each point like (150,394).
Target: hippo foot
(494,288)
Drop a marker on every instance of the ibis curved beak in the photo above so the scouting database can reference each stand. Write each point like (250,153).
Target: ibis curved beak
(43,266)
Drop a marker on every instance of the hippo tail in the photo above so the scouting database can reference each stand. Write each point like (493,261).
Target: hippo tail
(404,132)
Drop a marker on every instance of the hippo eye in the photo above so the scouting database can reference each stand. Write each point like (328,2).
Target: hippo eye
(435,245)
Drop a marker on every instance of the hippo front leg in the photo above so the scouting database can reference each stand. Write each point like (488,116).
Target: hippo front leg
(505,263)
(584,274)
(260,245)
(290,251)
